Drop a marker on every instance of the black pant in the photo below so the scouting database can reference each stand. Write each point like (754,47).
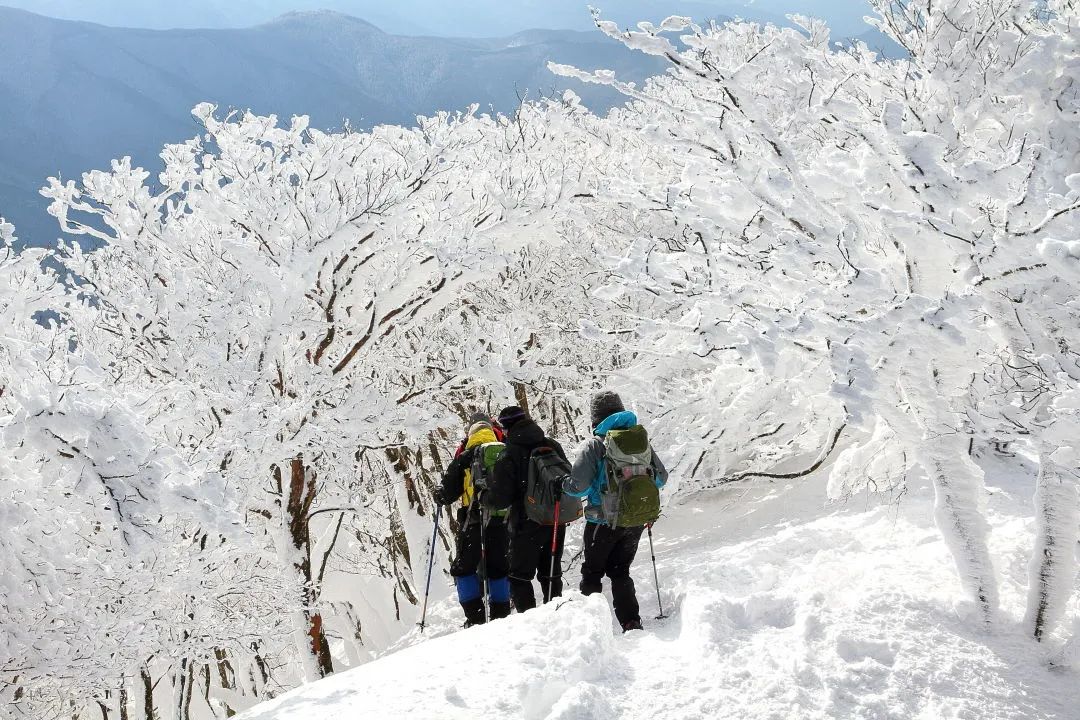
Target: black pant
(468,557)
(530,554)
(610,551)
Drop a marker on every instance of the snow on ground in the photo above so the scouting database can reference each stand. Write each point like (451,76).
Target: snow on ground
(780,606)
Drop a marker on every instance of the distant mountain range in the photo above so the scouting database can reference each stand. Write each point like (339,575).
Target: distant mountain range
(75,95)
(461,18)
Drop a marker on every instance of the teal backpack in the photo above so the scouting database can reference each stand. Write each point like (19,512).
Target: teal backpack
(630,497)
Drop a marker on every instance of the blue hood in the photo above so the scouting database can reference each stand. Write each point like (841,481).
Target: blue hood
(616,421)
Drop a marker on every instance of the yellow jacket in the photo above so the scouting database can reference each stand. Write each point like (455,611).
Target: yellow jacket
(484,435)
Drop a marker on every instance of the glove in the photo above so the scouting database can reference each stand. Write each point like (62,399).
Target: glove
(437,496)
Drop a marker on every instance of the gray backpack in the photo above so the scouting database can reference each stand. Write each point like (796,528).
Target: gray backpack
(545,501)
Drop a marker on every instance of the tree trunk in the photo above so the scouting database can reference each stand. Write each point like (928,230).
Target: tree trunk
(1053,562)
(264,673)
(148,693)
(957,489)
(226,676)
(185,680)
(521,394)
(957,480)
(300,498)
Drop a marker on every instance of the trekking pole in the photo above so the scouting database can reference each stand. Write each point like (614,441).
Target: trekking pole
(656,578)
(554,541)
(483,556)
(431,562)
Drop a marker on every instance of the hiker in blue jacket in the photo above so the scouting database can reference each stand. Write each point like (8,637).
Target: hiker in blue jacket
(609,548)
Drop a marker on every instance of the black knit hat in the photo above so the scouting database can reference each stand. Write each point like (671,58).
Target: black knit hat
(511,415)
(603,404)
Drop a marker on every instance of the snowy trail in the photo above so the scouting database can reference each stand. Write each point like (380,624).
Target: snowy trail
(775,612)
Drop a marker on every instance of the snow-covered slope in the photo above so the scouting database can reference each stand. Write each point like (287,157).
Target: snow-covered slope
(780,605)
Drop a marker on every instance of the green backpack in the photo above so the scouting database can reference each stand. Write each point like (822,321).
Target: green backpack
(630,497)
(483,467)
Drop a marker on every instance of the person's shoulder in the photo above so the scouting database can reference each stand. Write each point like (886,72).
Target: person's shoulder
(464,457)
(593,443)
(509,452)
(556,446)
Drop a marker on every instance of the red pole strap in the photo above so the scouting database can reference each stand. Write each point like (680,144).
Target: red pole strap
(554,546)
(555,532)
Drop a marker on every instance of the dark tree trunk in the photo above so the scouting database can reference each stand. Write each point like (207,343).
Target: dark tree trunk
(299,500)
(148,694)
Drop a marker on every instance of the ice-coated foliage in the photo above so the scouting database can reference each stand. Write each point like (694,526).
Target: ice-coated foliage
(101,518)
(900,221)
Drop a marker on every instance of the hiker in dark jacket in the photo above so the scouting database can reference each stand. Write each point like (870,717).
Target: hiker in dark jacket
(481,540)
(608,550)
(530,543)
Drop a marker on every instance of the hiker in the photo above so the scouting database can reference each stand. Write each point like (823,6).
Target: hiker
(481,540)
(530,542)
(618,473)
(479,417)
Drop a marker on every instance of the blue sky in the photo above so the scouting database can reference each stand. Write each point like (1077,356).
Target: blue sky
(439,17)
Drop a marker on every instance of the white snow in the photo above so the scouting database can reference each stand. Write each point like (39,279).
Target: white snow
(779,604)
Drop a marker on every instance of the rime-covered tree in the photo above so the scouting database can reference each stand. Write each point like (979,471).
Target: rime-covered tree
(287,307)
(102,540)
(901,221)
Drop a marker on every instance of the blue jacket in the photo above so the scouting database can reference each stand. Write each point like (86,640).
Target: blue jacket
(587,475)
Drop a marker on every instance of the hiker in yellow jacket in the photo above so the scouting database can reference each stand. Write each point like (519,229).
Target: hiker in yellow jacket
(481,542)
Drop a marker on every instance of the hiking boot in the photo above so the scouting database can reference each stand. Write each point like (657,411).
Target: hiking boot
(632,625)
(498,610)
(474,612)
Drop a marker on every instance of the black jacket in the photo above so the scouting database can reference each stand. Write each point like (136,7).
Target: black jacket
(453,480)
(512,468)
